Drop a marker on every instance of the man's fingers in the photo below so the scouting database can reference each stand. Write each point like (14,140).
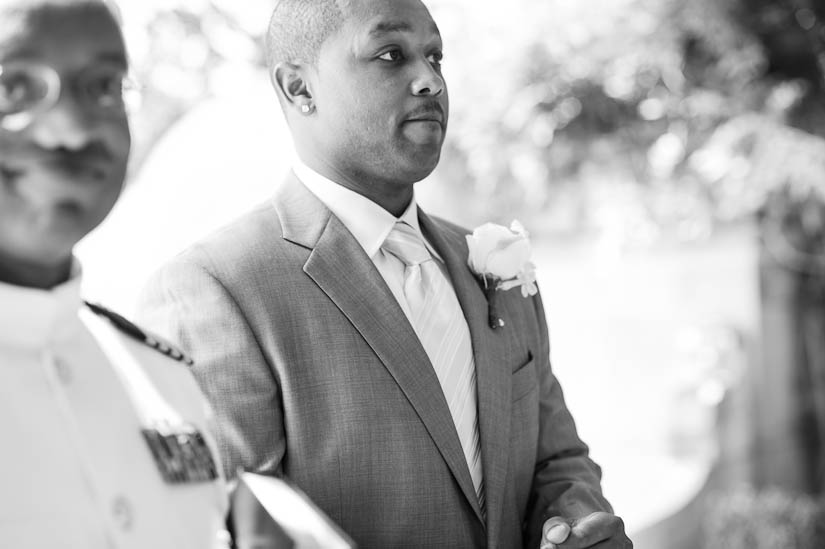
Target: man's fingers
(595,528)
(595,531)
(555,531)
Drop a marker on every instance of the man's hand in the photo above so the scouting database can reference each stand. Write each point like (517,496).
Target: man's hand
(596,531)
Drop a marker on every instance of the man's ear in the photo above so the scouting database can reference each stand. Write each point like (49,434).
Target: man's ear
(291,81)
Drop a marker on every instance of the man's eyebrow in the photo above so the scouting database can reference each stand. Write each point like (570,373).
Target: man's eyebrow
(116,57)
(30,55)
(386,27)
(14,54)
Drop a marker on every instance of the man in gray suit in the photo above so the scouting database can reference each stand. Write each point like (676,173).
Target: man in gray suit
(340,334)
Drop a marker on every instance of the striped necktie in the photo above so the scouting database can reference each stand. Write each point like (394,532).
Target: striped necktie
(439,323)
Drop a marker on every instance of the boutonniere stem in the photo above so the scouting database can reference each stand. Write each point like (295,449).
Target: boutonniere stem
(493,319)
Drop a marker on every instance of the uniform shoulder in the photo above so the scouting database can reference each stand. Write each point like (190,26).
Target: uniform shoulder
(132,330)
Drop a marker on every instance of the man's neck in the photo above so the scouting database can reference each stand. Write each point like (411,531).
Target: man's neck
(32,275)
(393,197)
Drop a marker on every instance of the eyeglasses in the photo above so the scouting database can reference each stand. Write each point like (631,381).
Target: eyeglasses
(30,88)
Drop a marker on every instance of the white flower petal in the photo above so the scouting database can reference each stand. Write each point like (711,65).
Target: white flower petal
(508,262)
(518,228)
(502,254)
(483,241)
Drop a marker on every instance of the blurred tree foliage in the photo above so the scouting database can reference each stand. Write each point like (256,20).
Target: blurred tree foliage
(745,519)
(636,115)
(185,51)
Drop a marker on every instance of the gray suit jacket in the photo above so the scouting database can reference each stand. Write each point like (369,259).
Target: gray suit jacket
(315,374)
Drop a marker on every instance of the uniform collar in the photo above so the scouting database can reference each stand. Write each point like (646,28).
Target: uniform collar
(368,222)
(31,317)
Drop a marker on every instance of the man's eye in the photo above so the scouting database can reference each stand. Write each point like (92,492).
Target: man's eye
(435,58)
(16,89)
(392,55)
(105,90)
(20,91)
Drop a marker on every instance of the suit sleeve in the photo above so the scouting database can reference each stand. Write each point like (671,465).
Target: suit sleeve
(188,305)
(566,481)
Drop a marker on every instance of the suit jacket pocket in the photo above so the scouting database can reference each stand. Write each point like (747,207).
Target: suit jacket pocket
(524,380)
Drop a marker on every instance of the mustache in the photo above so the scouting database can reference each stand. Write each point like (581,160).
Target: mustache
(92,159)
(92,154)
(428,111)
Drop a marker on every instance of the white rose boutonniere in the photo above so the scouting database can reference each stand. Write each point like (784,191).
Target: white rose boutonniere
(501,258)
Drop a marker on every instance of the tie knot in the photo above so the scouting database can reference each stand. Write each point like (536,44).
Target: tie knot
(405,244)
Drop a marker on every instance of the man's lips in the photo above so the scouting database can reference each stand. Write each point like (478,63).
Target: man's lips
(76,168)
(425,121)
(432,113)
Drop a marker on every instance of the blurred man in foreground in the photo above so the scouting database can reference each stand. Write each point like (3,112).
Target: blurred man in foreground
(104,441)
(340,334)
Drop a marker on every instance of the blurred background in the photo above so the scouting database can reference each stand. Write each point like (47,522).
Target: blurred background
(668,158)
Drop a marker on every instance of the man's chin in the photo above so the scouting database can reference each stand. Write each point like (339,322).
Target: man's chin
(423,165)
(59,221)
(420,158)
(45,244)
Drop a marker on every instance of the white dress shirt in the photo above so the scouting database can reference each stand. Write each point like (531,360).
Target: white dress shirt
(75,470)
(370,224)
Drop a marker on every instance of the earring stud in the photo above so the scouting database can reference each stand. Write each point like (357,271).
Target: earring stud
(306,109)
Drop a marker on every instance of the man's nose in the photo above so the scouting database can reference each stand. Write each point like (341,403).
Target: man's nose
(428,80)
(67,124)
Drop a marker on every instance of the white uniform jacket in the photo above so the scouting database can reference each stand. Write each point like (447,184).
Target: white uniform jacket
(76,468)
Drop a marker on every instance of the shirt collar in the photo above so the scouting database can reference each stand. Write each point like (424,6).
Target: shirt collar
(368,222)
(31,317)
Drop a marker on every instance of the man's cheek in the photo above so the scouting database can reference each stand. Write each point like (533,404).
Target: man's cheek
(118,139)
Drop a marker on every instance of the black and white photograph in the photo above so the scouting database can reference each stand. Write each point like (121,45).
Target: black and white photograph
(321,274)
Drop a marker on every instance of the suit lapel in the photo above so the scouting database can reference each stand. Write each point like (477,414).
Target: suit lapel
(490,350)
(341,269)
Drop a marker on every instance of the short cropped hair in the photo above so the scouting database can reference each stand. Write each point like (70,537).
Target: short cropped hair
(15,13)
(299,27)
(28,5)
(21,8)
